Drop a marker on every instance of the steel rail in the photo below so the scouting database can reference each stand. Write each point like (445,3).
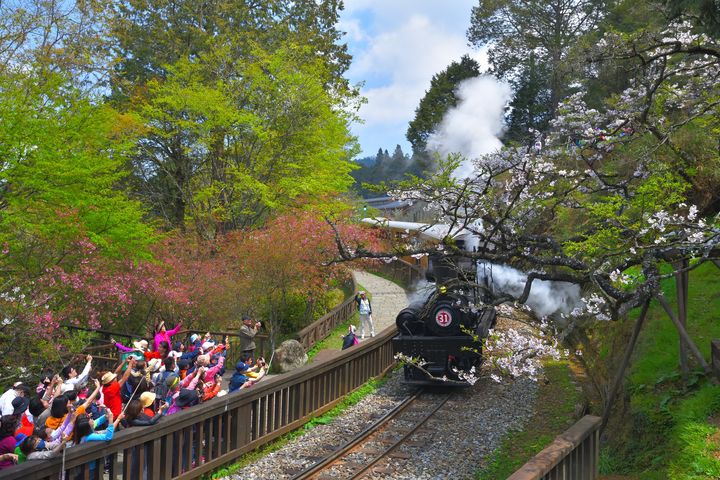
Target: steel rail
(325,462)
(332,458)
(374,461)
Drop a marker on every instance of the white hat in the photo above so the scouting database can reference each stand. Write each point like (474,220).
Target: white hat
(351,329)
(361,292)
(208,345)
(154,364)
(141,345)
(193,337)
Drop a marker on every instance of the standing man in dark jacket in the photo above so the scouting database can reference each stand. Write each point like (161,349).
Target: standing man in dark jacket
(248,330)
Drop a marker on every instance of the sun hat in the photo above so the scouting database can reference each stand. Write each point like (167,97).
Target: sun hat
(208,345)
(154,364)
(203,360)
(361,292)
(186,398)
(20,404)
(107,378)
(147,398)
(141,345)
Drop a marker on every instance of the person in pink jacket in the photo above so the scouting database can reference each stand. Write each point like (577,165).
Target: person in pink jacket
(210,371)
(161,334)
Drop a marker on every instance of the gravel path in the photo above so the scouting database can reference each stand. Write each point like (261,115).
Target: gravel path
(455,443)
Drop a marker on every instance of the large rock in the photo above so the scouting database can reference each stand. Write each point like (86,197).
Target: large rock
(290,355)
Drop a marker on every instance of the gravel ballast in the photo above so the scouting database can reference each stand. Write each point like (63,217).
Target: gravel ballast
(455,443)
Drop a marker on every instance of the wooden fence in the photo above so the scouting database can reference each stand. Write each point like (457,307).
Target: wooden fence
(321,327)
(574,455)
(202,438)
(399,271)
(715,357)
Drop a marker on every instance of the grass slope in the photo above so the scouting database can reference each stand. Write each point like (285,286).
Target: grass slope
(334,340)
(672,427)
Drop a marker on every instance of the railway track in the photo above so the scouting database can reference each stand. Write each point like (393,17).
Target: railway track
(369,452)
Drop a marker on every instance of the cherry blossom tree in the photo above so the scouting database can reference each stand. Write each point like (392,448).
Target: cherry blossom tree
(612,194)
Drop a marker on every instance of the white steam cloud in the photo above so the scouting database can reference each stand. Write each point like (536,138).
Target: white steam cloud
(546,298)
(473,126)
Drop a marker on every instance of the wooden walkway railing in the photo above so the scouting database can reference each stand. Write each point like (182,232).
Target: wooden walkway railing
(715,357)
(400,271)
(321,327)
(574,455)
(105,355)
(193,442)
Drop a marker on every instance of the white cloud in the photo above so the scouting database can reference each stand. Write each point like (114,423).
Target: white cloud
(397,47)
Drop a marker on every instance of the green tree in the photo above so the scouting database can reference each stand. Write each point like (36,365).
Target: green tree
(438,99)
(234,131)
(223,153)
(706,13)
(63,159)
(529,43)
(150,35)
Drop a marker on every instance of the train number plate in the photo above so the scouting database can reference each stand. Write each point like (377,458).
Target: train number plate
(443,317)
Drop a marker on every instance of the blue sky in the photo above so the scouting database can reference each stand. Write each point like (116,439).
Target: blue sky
(397,46)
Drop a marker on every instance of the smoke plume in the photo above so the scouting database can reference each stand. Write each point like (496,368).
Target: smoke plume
(546,298)
(473,126)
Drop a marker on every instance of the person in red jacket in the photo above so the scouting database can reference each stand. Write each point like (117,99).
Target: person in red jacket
(112,387)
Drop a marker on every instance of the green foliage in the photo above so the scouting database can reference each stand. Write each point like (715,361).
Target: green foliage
(610,217)
(529,44)
(705,13)
(334,340)
(63,161)
(374,171)
(227,151)
(245,109)
(437,100)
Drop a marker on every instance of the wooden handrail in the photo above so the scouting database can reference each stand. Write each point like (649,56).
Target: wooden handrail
(321,327)
(197,440)
(573,455)
(399,271)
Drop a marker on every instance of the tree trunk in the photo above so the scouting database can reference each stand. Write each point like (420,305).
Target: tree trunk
(684,335)
(681,287)
(623,366)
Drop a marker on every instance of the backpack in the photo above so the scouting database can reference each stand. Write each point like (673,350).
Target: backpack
(161,388)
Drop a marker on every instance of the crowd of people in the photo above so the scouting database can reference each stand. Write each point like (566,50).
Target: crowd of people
(149,383)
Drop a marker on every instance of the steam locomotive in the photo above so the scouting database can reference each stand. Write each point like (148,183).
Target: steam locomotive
(446,328)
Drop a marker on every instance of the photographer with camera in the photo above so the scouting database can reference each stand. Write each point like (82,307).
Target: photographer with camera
(248,330)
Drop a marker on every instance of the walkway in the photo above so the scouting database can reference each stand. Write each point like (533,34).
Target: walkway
(387,298)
